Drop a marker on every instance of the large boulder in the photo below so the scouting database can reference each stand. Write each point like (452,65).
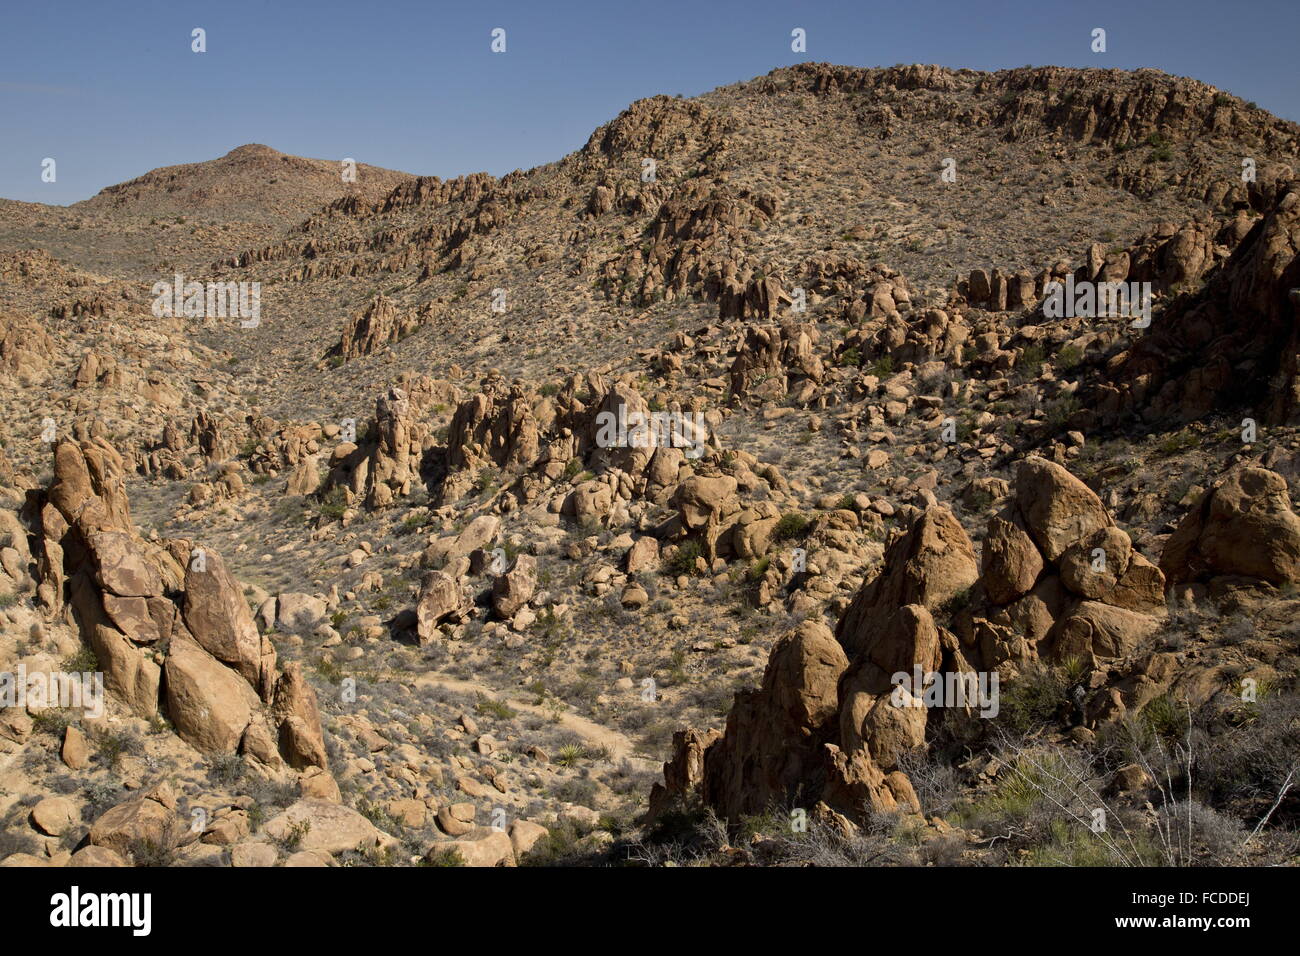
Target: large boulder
(516,587)
(481,847)
(128,672)
(209,704)
(326,827)
(479,533)
(773,741)
(294,610)
(1010,563)
(1057,508)
(220,621)
(146,821)
(55,816)
(121,567)
(702,499)
(1093,629)
(302,743)
(1243,526)
(930,565)
(869,719)
(439,599)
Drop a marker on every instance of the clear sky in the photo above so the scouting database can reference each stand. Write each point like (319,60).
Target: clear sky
(110,88)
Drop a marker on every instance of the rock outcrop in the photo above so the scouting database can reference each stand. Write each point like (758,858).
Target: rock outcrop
(1244,527)
(1232,345)
(1059,579)
(837,712)
(167,622)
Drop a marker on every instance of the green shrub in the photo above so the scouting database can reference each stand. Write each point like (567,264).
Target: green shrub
(791,526)
(883,367)
(570,754)
(1167,716)
(333,503)
(449,857)
(683,561)
(1061,411)
(1032,699)
(494,708)
(114,745)
(1030,362)
(83,661)
(1069,356)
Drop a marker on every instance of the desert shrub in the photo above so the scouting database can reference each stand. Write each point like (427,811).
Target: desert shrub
(1253,761)
(1216,839)
(17,840)
(578,791)
(271,793)
(1069,356)
(100,796)
(714,699)
(1178,442)
(978,500)
(1238,631)
(294,836)
(933,779)
(883,367)
(791,526)
(571,754)
(83,661)
(494,708)
(958,602)
(683,560)
(563,845)
(52,720)
(448,857)
(824,846)
(1064,842)
(333,503)
(486,480)
(1167,716)
(226,769)
(147,853)
(1030,362)
(1161,148)
(113,745)
(1032,699)
(1060,411)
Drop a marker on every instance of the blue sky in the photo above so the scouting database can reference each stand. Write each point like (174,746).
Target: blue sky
(112,89)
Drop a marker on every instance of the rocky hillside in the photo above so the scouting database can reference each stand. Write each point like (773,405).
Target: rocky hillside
(592,513)
(251,182)
(179,214)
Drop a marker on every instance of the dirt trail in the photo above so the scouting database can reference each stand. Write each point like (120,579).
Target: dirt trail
(592,733)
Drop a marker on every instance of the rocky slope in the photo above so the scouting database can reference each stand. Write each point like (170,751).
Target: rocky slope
(376,580)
